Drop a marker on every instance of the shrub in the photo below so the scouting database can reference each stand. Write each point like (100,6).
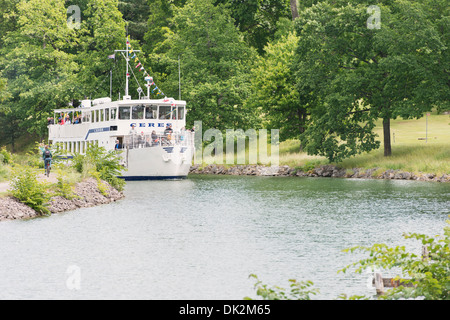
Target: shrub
(298,290)
(63,187)
(105,163)
(100,185)
(429,276)
(26,187)
(6,157)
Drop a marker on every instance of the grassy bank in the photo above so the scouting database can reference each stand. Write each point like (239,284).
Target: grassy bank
(409,152)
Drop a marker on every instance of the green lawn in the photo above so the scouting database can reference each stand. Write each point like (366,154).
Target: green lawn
(408,152)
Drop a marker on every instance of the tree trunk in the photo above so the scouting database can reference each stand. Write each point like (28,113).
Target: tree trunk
(301,113)
(294,9)
(387,137)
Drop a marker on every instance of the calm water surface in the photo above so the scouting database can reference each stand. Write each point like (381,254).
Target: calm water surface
(201,238)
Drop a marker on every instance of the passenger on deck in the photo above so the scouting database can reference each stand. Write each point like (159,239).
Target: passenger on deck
(133,138)
(155,139)
(133,130)
(182,133)
(141,140)
(168,134)
(168,129)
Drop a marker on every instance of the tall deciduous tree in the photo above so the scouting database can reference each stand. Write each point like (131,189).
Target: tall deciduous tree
(36,63)
(136,14)
(274,89)
(214,64)
(257,19)
(357,74)
(159,22)
(102,31)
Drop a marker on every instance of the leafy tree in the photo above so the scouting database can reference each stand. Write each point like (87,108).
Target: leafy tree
(257,19)
(10,125)
(274,89)
(353,75)
(3,92)
(102,31)
(36,64)
(136,14)
(8,17)
(159,22)
(215,64)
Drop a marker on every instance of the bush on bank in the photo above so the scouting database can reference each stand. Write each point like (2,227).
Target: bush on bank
(26,187)
(423,277)
(105,163)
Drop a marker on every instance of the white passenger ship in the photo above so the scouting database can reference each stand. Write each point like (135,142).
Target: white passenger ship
(149,134)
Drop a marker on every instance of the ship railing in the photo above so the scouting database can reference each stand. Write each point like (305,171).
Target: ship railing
(135,141)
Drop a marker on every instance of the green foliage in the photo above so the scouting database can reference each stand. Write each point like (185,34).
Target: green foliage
(136,14)
(101,186)
(64,187)
(215,65)
(310,165)
(6,156)
(35,60)
(298,290)
(350,75)
(26,187)
(273,88)
(429,276)
(257,19)
(102,31)
(104,163)
(3,91)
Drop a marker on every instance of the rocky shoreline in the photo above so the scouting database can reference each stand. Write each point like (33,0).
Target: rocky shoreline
(87,195)
(331,171)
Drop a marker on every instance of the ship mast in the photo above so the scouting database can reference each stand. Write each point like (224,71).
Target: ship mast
(127,59)
(126,96)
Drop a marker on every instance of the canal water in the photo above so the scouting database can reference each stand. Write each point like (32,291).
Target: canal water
(201,238)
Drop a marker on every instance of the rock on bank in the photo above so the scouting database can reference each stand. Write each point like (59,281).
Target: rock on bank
(331,171)
(87,195)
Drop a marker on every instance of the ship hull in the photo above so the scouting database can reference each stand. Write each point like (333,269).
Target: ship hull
(157,163)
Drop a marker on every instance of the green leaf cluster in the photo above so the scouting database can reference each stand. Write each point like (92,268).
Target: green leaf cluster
(99,161)
(298,290)
(429,275)
(351,75)
(28,189)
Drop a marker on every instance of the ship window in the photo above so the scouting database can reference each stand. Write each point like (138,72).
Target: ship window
(151,112)
(113,113)
(106,114)
(180,113)
(138,112)
(173,114)
(102,116)
(92,116)
(97,116)
(124,113)
(164,112)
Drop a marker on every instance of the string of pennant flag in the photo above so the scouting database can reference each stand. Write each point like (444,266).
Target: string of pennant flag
(132,55)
